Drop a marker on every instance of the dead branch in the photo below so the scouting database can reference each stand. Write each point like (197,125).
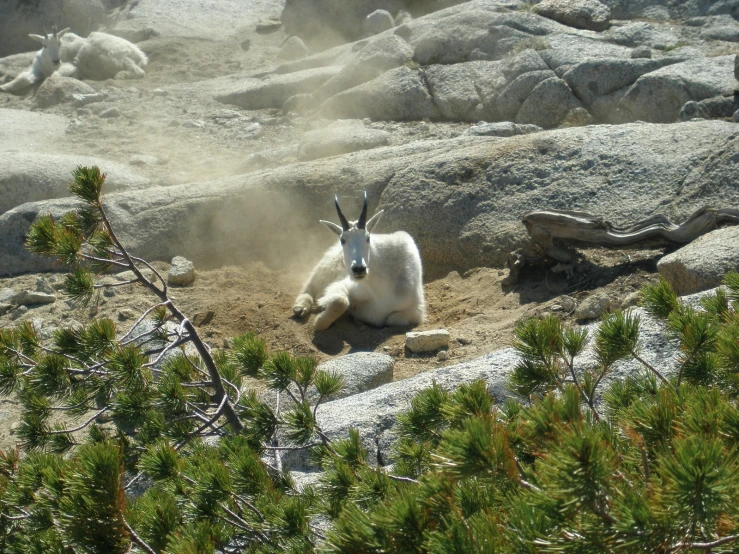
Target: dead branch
(550,230)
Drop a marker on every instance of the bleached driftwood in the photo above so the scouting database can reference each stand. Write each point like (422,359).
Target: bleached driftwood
(550,230)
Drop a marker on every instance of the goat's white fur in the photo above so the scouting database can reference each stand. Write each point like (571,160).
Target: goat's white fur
(391,293)
(98,57)
(46,62)
(104,56)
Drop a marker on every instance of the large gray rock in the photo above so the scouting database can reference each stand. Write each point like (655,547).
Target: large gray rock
(506,104)
(362,371)
(379,55)
(722,27)
(548,105)
(583,14)
(374,413)
(20,18)
(710,108)
(273,90)
(642,34)
(703,263)
(658,96)
(668,9)
(340,139)
(399,94)
(591,79)
(27,177)
(60,90)
(474,189)
(456,88)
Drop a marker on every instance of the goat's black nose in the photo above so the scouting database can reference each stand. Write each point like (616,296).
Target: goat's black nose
(359,269)
(56,62)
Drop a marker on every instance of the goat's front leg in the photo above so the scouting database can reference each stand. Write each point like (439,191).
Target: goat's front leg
(334,303)
(303,304)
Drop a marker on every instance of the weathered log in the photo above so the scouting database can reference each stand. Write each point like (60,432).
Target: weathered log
(548,230)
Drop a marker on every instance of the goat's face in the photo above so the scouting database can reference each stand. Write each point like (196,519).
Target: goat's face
(355,240)
(52,44)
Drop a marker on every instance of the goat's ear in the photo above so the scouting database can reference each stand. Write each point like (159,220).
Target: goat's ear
(373,221)
(39,38)
(333,227)
(61,33)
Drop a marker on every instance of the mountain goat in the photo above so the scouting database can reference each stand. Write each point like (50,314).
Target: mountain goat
(46,62)
(377,278)
(103,56)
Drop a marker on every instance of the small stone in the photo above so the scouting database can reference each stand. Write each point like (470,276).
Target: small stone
(32,298)
(268,26)
(464,341)
(427,341)
(630,300)
(245,44)
(111,112)
(443,355)
(5,308)
(126,314)
(181,272)
(193,124)
(42,285)
(159,92)
(84,99)
(109,292)
(141,159)
(19,311)
(593,307)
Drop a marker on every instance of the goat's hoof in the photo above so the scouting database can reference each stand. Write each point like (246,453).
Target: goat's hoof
(300,311)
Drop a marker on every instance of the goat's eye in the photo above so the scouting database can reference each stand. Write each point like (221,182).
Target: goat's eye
(342,241)
(367,239)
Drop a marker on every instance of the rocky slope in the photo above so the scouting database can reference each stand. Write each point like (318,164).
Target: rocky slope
(456,118)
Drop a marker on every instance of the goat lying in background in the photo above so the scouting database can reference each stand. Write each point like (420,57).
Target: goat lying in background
(377,278)
(46,62)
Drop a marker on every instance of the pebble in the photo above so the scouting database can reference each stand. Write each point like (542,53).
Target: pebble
(443,355)
(5,308)
(427,341)
(593,306)
(126,314)
(32,298)
(181,272)
(42,285)
(159,92)
(109,292)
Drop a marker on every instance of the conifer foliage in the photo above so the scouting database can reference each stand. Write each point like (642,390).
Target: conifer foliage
(147,440)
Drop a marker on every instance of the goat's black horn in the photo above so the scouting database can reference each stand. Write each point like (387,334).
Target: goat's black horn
(344,222)
(362,223)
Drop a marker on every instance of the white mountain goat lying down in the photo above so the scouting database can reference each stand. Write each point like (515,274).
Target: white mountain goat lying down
(377,278)
(98,57)
(46,62)
(103,56)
